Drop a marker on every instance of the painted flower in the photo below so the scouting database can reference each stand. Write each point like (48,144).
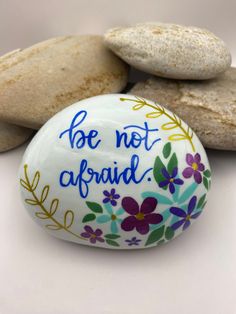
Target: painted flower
(195,167)
(93,236)
(133,241)
(185,220)
(140,217)
(170,180)
(112,217)
(111,197)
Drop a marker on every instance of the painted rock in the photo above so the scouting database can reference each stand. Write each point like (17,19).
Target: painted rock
(170,50)
(115,171)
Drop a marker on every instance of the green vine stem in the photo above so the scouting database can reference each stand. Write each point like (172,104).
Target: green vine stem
(47,214)
(175,122)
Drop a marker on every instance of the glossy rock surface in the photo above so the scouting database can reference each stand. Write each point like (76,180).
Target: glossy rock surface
(115,171)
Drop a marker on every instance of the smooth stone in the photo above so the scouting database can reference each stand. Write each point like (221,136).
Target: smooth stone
(169,50)
(12,136)
(37,82)
(209,107)
(112,171)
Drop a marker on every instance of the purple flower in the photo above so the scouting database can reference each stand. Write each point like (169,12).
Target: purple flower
(195,167)
(93,236)
(140,218)
(171,180)
(111,197)
(133,241)
(185,217)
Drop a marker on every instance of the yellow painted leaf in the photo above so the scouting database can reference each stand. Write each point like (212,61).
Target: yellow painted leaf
(53,227)
(44,193)
(35,180)
(54,206)
(68,218)
(177,137)
(169,126)
(138,106)
(154,114)
(31,202)
(41,215)
(25,185)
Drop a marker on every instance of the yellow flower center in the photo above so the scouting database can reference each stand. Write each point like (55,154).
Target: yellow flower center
(113,217)
(195,166)
(171,180)
(140,216)
(93,235)
(188,217)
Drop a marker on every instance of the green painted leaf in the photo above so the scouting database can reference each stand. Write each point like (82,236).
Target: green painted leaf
(155,236)
(173,162)
(158,165)
(207,173)
(205,182)
(95,207)
(169,233)
(204,204)
(112,236)
(201,201)
(112,243)
(166,150)
(89,217)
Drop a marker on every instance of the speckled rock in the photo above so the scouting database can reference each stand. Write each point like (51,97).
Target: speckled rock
(209,107)
(37,82)
(12,136)
(171,51)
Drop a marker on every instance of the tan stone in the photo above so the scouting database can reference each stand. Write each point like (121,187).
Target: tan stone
(39,81)
(209,107)
(169,50)
(12,136)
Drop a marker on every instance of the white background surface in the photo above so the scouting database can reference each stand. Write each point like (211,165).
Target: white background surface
(40,274)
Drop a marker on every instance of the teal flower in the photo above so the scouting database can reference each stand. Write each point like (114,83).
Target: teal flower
(112,216)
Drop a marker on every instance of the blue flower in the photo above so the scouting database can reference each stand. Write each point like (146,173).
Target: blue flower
(111,197)
(170,179)
(185,220)
(133,241)
(112,217)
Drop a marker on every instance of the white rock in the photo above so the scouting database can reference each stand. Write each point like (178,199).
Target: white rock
(169,50)
(94,174)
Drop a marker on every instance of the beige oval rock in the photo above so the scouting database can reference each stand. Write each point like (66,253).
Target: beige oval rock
(169,50)
(39,81)
(12,136)
(209,107)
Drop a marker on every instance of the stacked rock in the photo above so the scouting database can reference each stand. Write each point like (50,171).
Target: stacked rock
(37,82)
(191,76)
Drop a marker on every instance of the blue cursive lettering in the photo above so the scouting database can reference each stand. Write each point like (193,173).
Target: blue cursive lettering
(77,137)
(135,139)
(86,175)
